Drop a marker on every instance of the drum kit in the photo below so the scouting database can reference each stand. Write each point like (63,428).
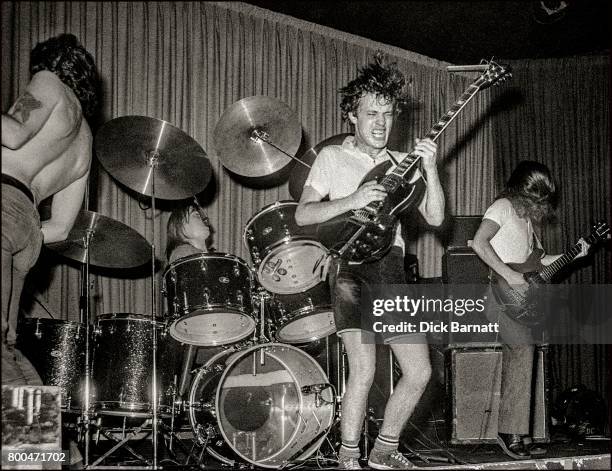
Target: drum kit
(261,399)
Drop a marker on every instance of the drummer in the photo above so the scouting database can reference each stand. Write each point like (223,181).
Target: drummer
(189,233)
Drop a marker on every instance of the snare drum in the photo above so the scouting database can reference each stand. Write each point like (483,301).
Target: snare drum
(56,349)
(303,317)
(123,365)
(209,299)
(259,405)
(287,257)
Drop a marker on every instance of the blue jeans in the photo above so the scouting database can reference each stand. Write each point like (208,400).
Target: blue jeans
(21,243)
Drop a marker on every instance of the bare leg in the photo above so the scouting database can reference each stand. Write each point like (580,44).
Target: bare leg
(416,371)
(362,365)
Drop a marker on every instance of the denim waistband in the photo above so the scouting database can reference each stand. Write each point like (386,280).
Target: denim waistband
(7,179)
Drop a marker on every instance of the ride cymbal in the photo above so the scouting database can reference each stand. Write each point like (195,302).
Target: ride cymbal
(112,244)
(255,134)
(130,146)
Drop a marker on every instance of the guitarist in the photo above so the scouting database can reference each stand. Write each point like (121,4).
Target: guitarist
(370,103)
(506,235)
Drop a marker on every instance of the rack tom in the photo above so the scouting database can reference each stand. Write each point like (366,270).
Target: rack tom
(287,257)
(209,299)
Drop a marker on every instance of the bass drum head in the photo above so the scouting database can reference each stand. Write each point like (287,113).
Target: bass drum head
(261,410)
(202,414)
(208,329)
(292,267)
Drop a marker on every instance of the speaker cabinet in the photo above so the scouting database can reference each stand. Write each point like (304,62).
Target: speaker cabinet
(473,390)
(463,266)
(462,230)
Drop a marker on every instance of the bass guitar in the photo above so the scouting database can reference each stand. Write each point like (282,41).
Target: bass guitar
(523,308)
(366,234)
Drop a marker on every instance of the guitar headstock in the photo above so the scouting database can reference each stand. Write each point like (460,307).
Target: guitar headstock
(494,75)
(601,231)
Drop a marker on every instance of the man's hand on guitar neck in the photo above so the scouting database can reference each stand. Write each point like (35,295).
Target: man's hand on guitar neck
(584,250)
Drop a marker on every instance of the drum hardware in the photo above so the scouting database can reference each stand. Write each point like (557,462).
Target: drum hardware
(149,146)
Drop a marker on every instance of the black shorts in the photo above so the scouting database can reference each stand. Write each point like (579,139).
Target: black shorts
(349,282)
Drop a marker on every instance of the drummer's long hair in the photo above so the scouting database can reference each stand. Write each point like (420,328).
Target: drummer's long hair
(176,235)
(74,65)
(386,82)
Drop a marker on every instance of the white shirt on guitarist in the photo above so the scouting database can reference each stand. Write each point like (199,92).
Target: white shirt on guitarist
(339,169)
(515,239)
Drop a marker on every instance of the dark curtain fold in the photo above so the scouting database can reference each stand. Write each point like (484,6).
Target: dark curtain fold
(557,111)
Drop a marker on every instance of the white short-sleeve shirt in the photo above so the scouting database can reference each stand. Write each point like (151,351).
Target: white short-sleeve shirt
(515,239)
(339,169)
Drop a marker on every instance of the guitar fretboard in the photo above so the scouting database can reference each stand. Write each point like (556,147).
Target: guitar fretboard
(550,270)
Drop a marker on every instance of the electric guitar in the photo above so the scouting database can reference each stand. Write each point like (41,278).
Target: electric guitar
(523,307)
(366,234)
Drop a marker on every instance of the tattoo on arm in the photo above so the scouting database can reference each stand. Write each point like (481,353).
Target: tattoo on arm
(23,106)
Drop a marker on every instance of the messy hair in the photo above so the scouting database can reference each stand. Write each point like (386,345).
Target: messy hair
(386,82)
(66,58)
(532,190)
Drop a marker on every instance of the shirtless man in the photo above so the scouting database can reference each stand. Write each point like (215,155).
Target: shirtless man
(46,150)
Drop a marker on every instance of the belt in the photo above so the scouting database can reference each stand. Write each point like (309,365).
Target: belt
(8,180)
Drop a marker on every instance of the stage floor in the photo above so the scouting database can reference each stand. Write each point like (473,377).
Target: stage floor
(587,454)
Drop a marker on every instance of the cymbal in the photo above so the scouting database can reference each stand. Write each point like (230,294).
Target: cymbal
(299,173)
(112,244)
(250,133)
(128,145)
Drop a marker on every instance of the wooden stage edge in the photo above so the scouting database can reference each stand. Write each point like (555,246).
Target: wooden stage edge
(564,462)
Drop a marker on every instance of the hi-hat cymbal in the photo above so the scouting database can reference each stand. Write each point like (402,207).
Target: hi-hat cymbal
(112,244)
(255,134)
(299,173)
(129,146)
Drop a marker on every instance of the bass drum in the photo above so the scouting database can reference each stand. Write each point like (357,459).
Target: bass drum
(256,405)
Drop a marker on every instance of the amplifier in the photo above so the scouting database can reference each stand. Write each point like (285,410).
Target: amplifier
(462,230)
(473,379)
(463,266)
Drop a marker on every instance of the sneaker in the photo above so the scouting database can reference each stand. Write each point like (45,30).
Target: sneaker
(345,462)
(389,460)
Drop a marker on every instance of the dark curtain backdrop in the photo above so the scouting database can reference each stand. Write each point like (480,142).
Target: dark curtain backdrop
(557,111)
(186,62)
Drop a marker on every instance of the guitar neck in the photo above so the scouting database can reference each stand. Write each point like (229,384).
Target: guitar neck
(550,270)
(412,159)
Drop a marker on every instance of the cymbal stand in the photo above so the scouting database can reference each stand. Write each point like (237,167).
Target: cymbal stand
(263,296)
(85,318)
(153,160)
(259,135)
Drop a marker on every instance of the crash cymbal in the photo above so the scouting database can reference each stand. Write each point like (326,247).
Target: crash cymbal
(299,173)
(255,134)
(128,145)
(112,244)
